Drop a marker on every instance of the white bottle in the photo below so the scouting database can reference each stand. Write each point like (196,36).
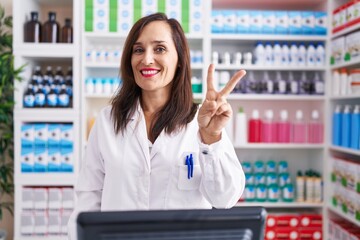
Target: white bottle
(281,83)
(294,84)
(336,83)
(277,53)
(311,55)
(241,130)
(259,54)
(215,58)
(343,82)
(268,83)
(294,55)
(318,84)
(285,55)
(302,55)
(320,55)
(269,54)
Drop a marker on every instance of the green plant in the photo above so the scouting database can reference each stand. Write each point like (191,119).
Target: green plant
(7,76)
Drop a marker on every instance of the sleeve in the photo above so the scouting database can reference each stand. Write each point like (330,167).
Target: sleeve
(223,179)
(88,188)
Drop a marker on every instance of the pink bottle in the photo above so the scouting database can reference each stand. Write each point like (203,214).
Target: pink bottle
(255,125)
(299,128)
(269,128)
(315,129)
(283,128)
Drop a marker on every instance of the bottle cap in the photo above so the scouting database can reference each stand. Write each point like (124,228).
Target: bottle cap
(241,110)
(255,114)
(315,114)
(269,114)
(283,115)
(299,115)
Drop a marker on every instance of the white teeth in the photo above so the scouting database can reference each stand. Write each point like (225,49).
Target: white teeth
(149,72)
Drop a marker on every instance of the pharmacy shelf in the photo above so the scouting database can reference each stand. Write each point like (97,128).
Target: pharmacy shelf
(347,97)
(108,96)
(343,215)
(46,50)
(268,68)
(280,204)
(266,4)
(267,37)
(345,150)
(304,146)
(346,30)
(46,114)
(354,63)
(46,179)
(44,237)
(270,97)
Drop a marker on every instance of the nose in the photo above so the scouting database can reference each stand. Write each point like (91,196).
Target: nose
(148,58)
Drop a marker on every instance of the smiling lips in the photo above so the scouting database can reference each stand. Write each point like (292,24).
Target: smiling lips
(149,72)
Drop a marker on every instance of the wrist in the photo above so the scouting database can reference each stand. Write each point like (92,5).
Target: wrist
(209,138)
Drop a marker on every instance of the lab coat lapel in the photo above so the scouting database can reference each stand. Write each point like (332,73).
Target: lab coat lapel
(138,125)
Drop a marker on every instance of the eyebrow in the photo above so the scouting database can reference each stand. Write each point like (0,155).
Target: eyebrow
(153,42)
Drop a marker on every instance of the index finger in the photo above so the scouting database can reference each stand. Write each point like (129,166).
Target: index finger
(210,78)
(232,83)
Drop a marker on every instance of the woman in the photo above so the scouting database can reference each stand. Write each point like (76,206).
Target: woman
(153,148)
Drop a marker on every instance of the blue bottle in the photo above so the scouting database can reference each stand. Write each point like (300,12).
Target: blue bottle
(29,97)
(355,128)
(336,126)
(346,127)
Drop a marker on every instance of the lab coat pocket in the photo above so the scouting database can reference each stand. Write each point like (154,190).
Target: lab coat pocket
(186,183)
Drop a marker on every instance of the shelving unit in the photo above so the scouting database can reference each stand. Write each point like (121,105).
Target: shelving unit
(332,150)
(44,54)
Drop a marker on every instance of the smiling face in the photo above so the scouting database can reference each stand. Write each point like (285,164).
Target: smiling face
(154,58)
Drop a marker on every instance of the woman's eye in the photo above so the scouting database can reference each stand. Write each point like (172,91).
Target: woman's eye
(160,49)
(137,50)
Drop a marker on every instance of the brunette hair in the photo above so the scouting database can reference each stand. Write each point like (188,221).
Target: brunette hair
(180,108)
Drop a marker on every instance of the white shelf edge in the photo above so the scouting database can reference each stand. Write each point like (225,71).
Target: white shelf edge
(268,68)
(46,50)
(345,150)
(48,179)
(270,97)
(350,96)
(117,65)
(46,114)
(44,237)
(116,35)
(270,37)
(350,63)
(346,30)
(279,146)
(280,204)
(343,215)
(98,96)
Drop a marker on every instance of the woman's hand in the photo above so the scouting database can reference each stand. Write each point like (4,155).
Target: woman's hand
(215,111)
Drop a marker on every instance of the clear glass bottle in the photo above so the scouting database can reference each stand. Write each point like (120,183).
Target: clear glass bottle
(51,30)
(32,29)
(67,32)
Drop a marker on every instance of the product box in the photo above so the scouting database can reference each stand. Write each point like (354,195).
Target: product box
(242,21)
(310,220)
(55,198)
(352,46)
(54,159)
(101,19)
(67,136)
(27,223)
(67,198)
(269,22)
(54,223)
(64,221)
(217,21)
(67,160)
(173,9)
(281,22)
(307,22)
(40,223)
(40,132)
(287,233)
(148,7)
(40,160)
(353,12)
(295,22)
(27,159)
(321,23)
(54,135)
(196,22)
(41,198)
(337,50)
(100,3)
(229,21)
(27,135)
(287,220)
(125,17)
(310,233)
(256,21)
(27,198)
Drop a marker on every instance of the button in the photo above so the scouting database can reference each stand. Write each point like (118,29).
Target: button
(205,152)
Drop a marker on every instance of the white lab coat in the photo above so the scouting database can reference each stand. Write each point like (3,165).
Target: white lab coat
(119,172)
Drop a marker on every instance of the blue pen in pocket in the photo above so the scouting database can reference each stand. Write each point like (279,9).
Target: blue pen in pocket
(191,165)
(187,163)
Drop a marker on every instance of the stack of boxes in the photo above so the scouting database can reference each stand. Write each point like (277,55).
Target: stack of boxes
(47,147)
(119,15)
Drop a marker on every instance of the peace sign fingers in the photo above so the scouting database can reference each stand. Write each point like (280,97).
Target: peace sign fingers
(232,83)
